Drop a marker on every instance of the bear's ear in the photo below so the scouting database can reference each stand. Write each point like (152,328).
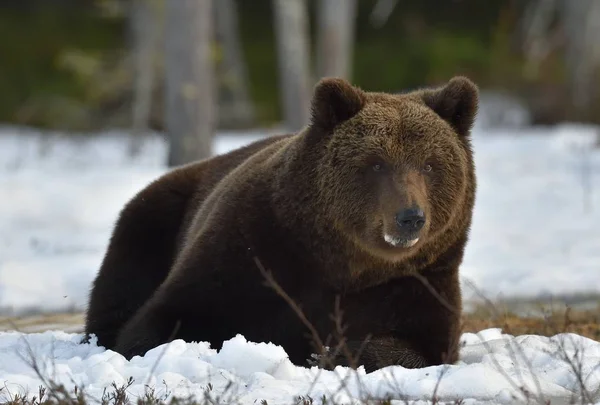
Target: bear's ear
(334,101)
(457,103)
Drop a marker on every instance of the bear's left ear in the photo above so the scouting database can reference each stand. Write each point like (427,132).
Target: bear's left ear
(334,101)
(457,103)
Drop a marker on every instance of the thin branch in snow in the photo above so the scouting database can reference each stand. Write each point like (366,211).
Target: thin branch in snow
(271,282)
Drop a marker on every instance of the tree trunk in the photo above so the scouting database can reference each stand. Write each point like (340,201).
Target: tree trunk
(336,38)
(582,22)
(291,30)
(189,80)
(146,22)
(535,26)
(236,100)
(381,12)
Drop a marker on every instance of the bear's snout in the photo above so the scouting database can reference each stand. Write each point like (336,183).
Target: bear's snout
(408,225)
(410,221)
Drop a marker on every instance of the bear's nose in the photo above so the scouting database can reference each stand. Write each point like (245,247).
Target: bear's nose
(411,219)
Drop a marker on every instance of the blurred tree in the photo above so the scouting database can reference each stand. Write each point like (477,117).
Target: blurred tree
(146,34)
(189,80)
(563,33)
(536,42)
(74,71)
(381,12)
(336,38)
(582,24)
(291,28)
(235,103)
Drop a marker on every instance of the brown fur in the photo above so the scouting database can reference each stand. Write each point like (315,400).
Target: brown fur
(311,208)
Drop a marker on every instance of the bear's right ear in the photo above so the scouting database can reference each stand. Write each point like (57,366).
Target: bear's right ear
(456,102)
(335,101)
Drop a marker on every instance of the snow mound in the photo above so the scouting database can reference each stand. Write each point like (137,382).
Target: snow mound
(493,368)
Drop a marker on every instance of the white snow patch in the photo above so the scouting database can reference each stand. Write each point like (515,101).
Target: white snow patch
(493,368)
(536,225)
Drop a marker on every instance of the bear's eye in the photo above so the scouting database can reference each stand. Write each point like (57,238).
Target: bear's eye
(427,168)
(378,167)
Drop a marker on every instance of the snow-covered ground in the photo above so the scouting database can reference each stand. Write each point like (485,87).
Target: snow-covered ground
(536,225)
(494,368)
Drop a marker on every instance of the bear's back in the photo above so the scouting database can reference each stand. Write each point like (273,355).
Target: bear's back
(148,235)
(207,175)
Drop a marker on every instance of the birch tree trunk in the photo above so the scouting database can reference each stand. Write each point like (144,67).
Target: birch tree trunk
(381,12)
(535,26)
(189,80)
(147,31)
(291,30)
(582,23)
(236,98)
(336,38)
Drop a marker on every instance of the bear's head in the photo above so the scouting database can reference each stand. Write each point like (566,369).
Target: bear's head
(394,171)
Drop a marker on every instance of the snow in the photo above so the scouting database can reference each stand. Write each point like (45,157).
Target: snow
(493,368)
(57,209)
(536,226)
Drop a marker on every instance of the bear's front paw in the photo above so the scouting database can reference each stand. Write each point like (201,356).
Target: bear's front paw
(137,337)
(409,358)
(131,345)
(379,353)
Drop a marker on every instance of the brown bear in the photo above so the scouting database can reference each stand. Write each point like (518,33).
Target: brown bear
(365,213)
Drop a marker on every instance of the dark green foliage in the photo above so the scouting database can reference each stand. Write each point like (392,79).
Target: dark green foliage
(32,40)
(423,43)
